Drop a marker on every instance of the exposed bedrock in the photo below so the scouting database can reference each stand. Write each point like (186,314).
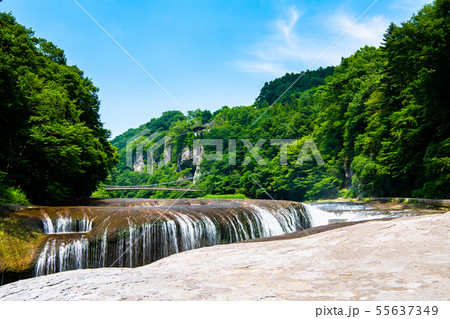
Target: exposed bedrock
(399,259)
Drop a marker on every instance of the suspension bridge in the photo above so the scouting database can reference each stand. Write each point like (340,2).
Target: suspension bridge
(153,187)
(149,187)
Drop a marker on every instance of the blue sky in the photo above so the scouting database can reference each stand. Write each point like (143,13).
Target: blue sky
(205,54)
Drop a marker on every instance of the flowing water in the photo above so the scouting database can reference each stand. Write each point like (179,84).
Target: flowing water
(336,212)
(65,224)
(131,233)
(134,233)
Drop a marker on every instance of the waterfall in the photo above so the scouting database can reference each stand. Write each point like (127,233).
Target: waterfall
(318,216)
(327,213)
(65,224)
(141,235)
(63,255)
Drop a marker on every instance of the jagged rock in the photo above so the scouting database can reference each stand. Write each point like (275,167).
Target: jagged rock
(186,154)
(349,172)
(139,164)
(185,160)
(400,259)
(208,126)
(198,155)
(167,151)
(197,174)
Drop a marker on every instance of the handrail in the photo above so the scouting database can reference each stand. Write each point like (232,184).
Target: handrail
(148,187)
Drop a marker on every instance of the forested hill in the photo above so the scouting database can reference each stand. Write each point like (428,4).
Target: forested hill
(380,121)
(282,88)
(52,143)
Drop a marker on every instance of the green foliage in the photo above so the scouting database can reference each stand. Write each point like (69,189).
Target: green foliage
(53,144)
(13,195)
(100,193)
(380,121)
(231,196)
(409,119)
(326,188)
(274,89)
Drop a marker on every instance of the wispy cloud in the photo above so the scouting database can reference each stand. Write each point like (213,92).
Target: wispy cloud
(283,45)
(287,26)
(291,42)
(367,32)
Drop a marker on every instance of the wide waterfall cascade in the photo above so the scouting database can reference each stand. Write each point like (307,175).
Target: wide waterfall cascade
(327,213)
(131,235)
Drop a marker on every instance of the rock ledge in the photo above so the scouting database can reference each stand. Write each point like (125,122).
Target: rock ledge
(400,259)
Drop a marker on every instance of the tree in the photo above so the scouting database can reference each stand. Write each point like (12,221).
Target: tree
(380,120)
(53,143)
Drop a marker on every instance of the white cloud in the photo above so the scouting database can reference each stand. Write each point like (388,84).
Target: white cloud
(286,27)
(282,46)
(367,32)
(293,43)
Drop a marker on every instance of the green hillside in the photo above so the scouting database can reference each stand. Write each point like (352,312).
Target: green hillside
(282,88)
(53,145)
(380,121)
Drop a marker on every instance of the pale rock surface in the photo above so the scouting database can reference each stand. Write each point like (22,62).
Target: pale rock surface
(401,259)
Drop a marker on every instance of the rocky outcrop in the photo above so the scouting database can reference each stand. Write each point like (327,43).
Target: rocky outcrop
(186,157)
(139,164)
(197,175)
(167,151)
(400,259)
(191,159)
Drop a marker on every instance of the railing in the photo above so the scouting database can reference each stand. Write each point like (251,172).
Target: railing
(149,187)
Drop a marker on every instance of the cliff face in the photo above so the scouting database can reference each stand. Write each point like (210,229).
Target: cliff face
(139,165)
(191,159)
(187,158)
(378,260)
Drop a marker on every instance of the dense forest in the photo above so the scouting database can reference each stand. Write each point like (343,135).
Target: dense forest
(380,120)
(53,145)
(279,90)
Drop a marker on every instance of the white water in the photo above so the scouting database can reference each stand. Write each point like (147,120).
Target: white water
(342,212)
(65,224)
(142,244)
(61,256)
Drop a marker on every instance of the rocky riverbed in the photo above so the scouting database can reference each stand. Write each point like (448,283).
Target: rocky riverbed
(398,259)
